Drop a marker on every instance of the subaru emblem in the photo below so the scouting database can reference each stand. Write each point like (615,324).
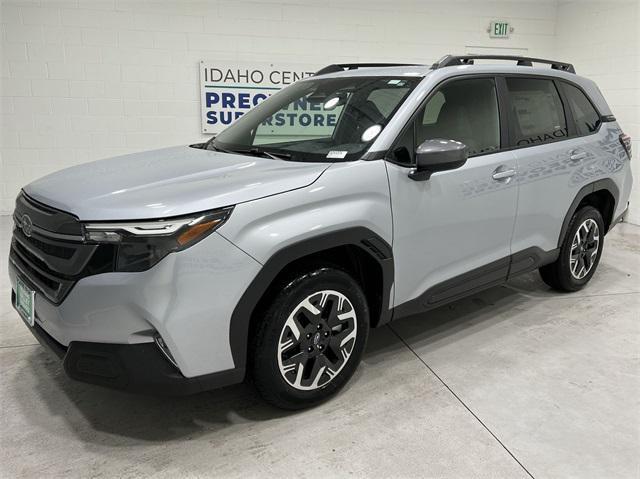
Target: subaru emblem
(27,225)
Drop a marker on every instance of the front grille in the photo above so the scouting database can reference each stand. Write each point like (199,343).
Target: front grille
(52,257)
(36,266)
(64,252)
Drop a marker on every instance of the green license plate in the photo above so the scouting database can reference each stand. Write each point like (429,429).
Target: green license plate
(25,299)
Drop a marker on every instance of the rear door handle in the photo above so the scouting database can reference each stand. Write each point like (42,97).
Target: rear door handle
(576,155)
(500,174)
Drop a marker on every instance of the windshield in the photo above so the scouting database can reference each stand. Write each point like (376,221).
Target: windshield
(331,119)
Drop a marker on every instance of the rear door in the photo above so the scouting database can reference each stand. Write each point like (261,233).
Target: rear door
(452,232)
(597,160)
(549,154)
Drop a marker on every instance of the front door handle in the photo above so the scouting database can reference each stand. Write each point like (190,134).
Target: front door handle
(576,155)
(500,174)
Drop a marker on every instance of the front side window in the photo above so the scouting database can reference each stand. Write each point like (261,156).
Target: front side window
(537,111)
(585,115)
(463,110)
(331,119)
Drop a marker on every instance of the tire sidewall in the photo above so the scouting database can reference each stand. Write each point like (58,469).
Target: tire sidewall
(265,368)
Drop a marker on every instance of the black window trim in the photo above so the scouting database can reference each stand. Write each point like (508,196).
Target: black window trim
(572,131)
(410,123)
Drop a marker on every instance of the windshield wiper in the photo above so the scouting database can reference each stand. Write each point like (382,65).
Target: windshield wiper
(262,153)
(269,154)
(213,147)
(253,152)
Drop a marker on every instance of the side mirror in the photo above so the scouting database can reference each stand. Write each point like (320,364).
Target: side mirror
(438,155)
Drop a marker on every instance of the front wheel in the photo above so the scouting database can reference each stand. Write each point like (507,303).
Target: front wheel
(579,254)
(311,338)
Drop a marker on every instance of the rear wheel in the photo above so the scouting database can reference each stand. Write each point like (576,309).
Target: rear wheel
(579,254)
(311,338)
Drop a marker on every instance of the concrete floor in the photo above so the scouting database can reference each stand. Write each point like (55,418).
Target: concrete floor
(518,381)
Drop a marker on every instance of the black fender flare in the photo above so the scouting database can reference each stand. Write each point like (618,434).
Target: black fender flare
(362,237)
(606,184)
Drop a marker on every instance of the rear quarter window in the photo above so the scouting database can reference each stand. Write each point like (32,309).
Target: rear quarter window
(587,119)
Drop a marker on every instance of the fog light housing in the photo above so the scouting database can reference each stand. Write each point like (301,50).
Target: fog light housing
(165,349)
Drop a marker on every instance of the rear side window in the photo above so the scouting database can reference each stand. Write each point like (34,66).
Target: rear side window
(537,111)
(585,115)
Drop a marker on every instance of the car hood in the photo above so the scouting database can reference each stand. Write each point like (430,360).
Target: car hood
(168,182)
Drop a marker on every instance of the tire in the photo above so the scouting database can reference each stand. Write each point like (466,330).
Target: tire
(328,347)
(579,254)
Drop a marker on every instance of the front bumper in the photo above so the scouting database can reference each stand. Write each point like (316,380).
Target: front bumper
(105,327)
(139,368)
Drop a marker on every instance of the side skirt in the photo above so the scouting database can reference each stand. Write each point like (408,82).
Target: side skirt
(476,280)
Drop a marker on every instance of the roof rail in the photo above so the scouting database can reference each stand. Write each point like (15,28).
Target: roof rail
(340,67)
(452,60)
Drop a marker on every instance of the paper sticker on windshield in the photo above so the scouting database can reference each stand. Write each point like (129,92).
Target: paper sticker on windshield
(337,154)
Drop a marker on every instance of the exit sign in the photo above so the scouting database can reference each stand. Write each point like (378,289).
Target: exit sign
(499,30)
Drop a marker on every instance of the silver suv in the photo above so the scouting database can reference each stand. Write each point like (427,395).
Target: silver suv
(349,199)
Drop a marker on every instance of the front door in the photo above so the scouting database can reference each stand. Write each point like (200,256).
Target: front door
(452,232)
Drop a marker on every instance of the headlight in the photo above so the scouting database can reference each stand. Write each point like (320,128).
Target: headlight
(141,244)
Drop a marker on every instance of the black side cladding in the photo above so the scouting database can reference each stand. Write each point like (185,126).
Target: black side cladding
(606,185)
(361,237)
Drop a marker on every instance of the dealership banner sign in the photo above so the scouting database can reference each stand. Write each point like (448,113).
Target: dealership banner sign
(230,89)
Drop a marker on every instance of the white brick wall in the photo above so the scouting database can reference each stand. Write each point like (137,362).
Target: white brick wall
(608,53)
(87,79)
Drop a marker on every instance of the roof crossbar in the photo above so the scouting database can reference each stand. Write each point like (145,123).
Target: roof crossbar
(340,67)
(453,60)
